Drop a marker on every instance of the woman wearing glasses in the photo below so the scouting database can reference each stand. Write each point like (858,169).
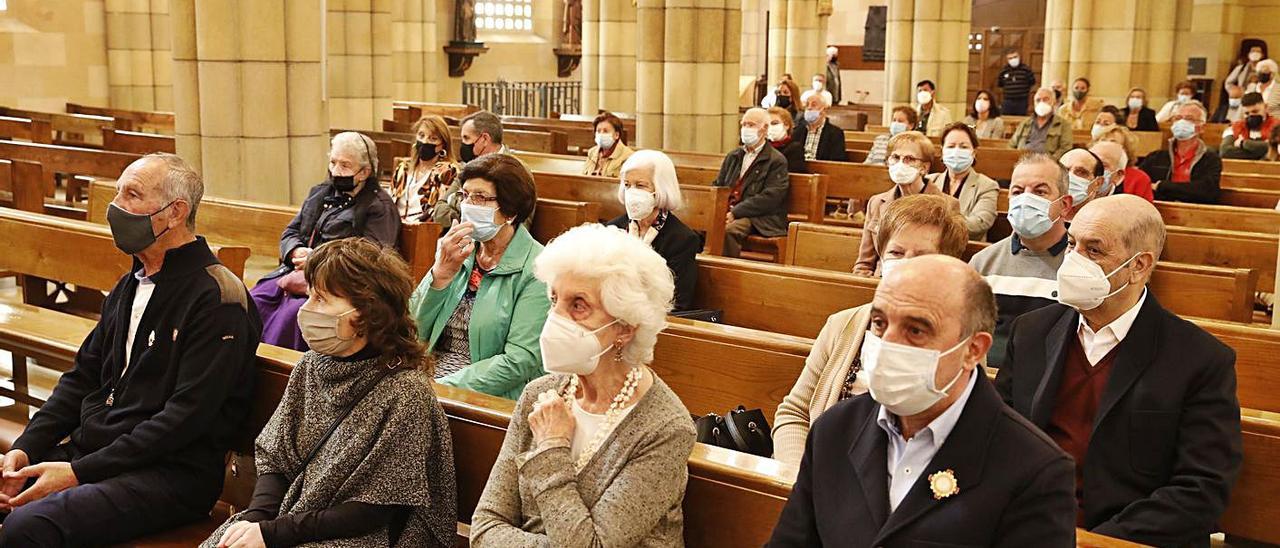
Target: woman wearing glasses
(480,309)
(910,156)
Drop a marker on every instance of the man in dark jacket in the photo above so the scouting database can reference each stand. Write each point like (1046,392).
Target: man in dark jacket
(1189,171)
(963,469)
(757,175)
(1143,400)
(158,390)
(822,140)
(1017,80)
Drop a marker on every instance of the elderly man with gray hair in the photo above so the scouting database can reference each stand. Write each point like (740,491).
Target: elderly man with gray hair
(1144,401)
(133,438)
(350,202)
(885,468)
(757,175)
(1188,170)
(822,139)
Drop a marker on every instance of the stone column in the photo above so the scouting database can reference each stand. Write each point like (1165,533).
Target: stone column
(608,66)
(139,57)
(927,40)
(797,40)
(687,74)
(1097,40)
(359,56)
(413,51)
(1214,28)
(248,96)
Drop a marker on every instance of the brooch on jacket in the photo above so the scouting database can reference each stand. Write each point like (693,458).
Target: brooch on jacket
(943,484)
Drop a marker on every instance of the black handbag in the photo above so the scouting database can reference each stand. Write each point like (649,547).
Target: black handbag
(740,430)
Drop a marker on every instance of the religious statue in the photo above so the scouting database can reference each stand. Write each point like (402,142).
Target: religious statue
(571,30)
(464,21)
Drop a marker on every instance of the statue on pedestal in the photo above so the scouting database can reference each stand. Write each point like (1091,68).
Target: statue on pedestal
(571,30)
(464,21)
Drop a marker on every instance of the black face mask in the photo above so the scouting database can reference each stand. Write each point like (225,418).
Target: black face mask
(426,151)
(1264,77)
(344,183)
(1057,94)
(1253,121)
(467,152)
(783,101)
(132,231)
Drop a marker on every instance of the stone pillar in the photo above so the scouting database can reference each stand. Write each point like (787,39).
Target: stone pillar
(687,74)
(413,52)
(754,58)
(248,96)
(1214,28)
(927,40)
(797,40)
(609,44)
(1096,39)
(359,56)
(139,56)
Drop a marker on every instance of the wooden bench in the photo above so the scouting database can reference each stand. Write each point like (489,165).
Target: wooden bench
(134,120)
(57,159)
(732,499)
(516,139)
(704,207)
(447,110)
(35,131)
(259,226)
(70,129)
(1187,289)
(137,143)
(553,217)
(1250,167)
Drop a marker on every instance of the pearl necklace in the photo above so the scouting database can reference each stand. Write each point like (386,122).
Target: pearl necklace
(611,417)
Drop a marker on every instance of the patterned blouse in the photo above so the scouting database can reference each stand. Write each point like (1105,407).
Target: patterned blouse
(416,196)
(453,348)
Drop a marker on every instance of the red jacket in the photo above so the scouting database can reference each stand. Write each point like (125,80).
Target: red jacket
(1240,129)
(1137,183)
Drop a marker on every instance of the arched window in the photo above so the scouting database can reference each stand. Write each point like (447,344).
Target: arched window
(505,15)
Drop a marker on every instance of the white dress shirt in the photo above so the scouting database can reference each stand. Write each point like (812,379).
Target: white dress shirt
(909,458)
(1097,344)
(140,299)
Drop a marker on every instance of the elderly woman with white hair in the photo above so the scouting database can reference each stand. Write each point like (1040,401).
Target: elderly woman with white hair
(650,192)
(350,202)
(596,452)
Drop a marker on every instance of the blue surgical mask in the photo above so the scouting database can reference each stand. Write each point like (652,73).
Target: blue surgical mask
(957,159)
(1183,130)
(604,140)
(1029,215)
(1078,187)
(811,116)
(482,218)
(897,127)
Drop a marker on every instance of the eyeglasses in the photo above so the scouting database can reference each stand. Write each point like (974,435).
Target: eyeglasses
(895,158)
(475,198)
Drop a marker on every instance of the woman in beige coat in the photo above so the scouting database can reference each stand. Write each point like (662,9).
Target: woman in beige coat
(921,224)
(909,159)
(976,192)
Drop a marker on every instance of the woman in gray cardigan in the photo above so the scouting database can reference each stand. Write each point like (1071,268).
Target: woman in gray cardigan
(597,451)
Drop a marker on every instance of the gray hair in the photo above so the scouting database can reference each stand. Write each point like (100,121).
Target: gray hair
(822,98)
(360,146)
(181,182)
(1063,182)
(636,287)
(1204,112)
(485,122)
(979,306)
(666,187)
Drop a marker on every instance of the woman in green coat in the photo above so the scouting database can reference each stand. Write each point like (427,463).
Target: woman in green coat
(480,309)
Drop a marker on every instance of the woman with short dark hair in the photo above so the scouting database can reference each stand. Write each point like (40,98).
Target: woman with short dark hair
(606,158)
(383,475)
(480,309)
(976,192)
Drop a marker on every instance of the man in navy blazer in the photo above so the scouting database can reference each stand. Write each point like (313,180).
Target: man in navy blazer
(931,455)
(1143,400)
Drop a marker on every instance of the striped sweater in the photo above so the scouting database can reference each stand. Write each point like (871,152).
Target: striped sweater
(1023,280)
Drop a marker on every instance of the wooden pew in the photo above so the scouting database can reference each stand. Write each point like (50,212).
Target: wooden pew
(447,110)
(137,143)
(82,130)
(551,142)
(1225,248)
(1250,167)
(27,129)
(704,207)
(1187,289)
(68,160)
(137,120)
(258,226)
(553,217)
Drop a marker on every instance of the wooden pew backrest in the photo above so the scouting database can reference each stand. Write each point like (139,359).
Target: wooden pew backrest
(136,143)
(553,217)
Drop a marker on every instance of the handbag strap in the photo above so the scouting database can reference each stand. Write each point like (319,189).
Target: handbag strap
(343,416)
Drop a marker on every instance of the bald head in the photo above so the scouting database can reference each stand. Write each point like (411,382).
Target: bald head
(1112,154)
(755,119)
(943,287)
(1134,221)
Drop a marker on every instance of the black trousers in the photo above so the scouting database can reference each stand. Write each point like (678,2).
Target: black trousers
(116,510)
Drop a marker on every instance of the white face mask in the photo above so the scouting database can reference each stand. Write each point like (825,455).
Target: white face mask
(1015,62)
(604,140)
(1184,98)
(887,266)
(817,85)
(1043,108)
(923,97)
(1097,131)
(981,105)
(1255,56)
(639,202)
(1083,285)
(901,377)
(897,127)
(568,348)
(1135,103)
(777,132)
(750,136)
(902,174)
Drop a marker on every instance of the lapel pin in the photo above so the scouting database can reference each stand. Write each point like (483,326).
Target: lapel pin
(943,484)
